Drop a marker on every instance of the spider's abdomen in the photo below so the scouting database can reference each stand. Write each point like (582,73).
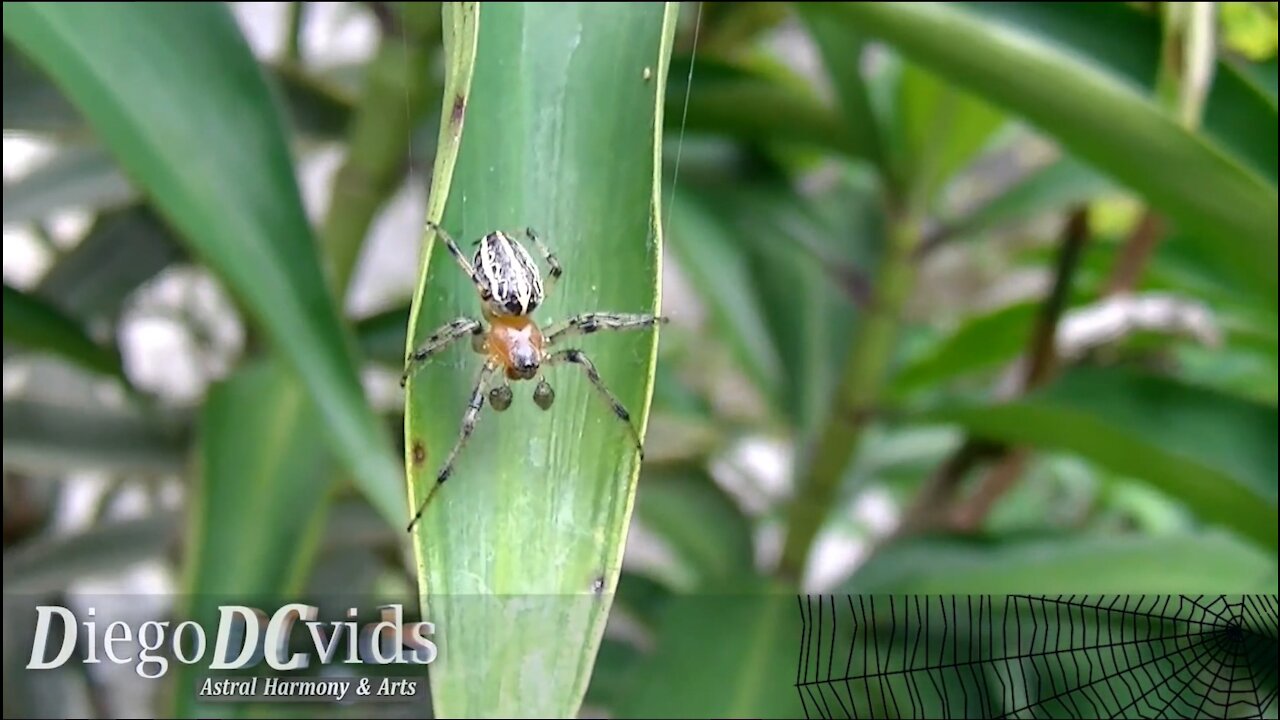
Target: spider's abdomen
(508,276)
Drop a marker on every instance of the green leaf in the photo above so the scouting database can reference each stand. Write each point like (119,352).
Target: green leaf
(264,473)
(1239,114)
(700,525)
(713,256)
(81,177)
(518,555)
(190,119)
(795,268)
(34,324)
(721,656)
(1213,451)
(842,54)
(981,343)
(52,564)
(1211,563)
(938,130)
(123,250)
(1098,117)
(49,436)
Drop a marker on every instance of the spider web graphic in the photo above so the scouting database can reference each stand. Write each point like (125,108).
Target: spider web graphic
(1027,656)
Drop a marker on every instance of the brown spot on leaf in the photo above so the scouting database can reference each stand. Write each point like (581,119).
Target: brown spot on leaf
(419,453)
(597,585)
(459,109)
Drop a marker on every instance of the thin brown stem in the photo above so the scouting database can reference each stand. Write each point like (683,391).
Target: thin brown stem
(933,506)
(1136,253)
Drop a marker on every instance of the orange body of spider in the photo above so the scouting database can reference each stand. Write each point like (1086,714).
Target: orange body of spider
(514,343)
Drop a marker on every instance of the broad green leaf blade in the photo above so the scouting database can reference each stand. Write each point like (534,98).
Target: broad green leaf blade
(1215,452)
(1097,116)
(519,554)
(81,177)
(36,325)
(1192,563)
(46,436)
(263,475)
(188,115)
(729,656)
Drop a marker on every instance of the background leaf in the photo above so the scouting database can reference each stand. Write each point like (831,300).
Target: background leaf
(281,485)
(1213,451)
(222,176)
(84,177)
(36,325)
(1098,117)
(1210,563)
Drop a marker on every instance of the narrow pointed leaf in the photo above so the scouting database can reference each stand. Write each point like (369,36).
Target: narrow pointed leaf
(1191,563)
(263,475)
(47,436)
(1215,452)
(34,324)
(519,553)
(1101,118)
(189,117)
(83,177)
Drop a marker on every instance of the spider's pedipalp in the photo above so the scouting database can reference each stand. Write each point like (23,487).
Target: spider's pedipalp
(591,322)
(500,397)
(442,338)
(468,426)
(579,358)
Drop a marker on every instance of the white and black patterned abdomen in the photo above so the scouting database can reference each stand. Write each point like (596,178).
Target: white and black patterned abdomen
(508,275)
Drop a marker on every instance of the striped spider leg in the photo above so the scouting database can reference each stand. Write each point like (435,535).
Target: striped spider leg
(586,324)
(469,420)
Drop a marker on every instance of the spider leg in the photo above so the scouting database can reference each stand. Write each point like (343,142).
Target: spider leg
(457,253)
(587,323)
(579,358)
(556,271)
(468,426)
(442,338)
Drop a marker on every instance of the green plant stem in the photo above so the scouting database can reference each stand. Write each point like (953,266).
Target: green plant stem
(293,32)
(395,96)
(856,398)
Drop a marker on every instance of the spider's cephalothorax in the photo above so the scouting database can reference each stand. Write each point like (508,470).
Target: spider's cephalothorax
(511,288)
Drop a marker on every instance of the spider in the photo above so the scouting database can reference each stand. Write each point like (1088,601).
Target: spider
(511,289)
